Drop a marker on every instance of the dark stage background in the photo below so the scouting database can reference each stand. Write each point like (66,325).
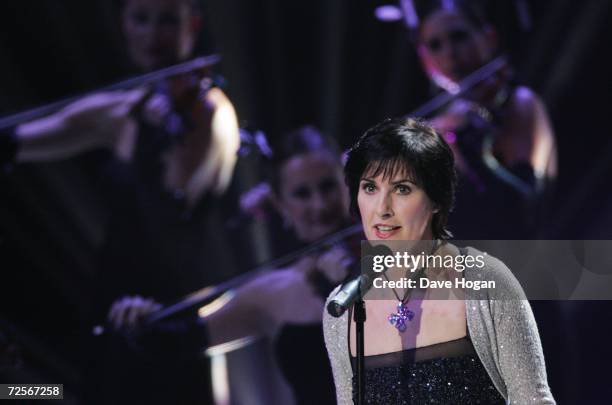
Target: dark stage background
(288,63)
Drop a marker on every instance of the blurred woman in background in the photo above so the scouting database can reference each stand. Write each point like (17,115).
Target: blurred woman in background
(307,190)
(499,131)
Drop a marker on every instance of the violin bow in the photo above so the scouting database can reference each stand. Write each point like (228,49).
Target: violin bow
(207,294)
(136,81)
(463,86)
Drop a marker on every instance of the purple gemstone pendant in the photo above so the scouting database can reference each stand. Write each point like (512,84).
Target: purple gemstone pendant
(399,320)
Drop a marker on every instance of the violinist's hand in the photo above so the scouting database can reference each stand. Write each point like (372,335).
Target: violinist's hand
(205,159)
(454,117)
(335,264)
(128,312)
(306,264)
(96,121)
(449,123)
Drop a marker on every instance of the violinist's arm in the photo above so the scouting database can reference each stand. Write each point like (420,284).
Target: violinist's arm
(95,121)
(529,136)
(261,306)
(257,308)
(448,122)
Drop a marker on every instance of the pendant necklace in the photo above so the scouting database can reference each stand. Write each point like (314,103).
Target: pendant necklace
(403,314)
(399,320)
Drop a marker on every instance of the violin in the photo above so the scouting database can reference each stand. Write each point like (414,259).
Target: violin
(198,66)
(467,87)
(205,295)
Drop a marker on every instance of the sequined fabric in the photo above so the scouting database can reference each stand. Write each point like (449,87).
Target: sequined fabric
(502,329)
(455,377)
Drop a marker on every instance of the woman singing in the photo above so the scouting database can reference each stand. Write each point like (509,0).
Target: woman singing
(474,348)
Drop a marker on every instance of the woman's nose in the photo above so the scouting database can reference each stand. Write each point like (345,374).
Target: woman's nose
(318,201)
(384,208)
(447,50)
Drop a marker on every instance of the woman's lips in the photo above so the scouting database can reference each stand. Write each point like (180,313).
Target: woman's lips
(385,231)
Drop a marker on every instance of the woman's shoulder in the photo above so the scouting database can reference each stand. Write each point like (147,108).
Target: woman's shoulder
(525,105)
(525,95)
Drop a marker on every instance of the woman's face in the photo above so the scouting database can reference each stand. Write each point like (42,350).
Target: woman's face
(394,208)
(159,32)
(313,198)
(451,46)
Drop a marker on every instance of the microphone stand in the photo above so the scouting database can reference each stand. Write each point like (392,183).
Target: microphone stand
(359,316)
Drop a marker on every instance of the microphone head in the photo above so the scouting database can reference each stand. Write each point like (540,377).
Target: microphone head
(334,309)
(345,297)
(358,286)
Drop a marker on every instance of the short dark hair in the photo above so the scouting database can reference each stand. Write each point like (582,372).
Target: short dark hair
(306,139)
(410,146)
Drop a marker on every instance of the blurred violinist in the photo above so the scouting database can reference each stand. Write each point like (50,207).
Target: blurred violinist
(157,33)
(174,147)
(306,188)
(499,131)
(165,235)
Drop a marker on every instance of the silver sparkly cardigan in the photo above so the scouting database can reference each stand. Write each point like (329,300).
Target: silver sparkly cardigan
(502,328)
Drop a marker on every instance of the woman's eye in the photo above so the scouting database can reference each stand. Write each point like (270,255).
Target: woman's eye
(459,35)
(139,17)
(301,193)
(327,186)
(434,45)
(402,189)
(368,187)
(169,19)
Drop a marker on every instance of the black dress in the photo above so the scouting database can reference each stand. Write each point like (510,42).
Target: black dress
(493,201)
(154,247)
(486,206)
(444,373)
(301,351)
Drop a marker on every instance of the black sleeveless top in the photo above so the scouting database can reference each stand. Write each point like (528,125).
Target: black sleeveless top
(443,373)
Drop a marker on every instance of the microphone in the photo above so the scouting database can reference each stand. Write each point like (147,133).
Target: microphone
(359,286)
